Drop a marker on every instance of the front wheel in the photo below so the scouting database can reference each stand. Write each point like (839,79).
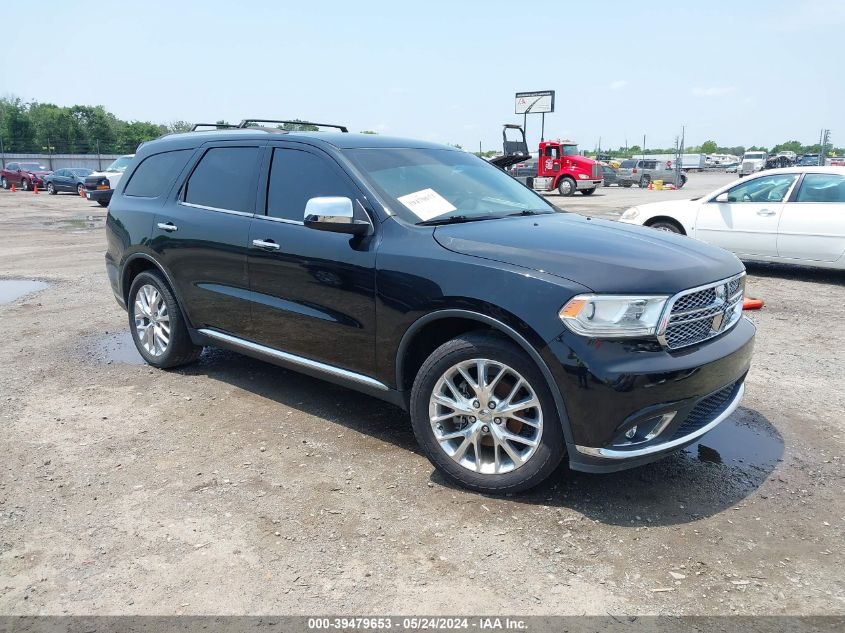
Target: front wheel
(157,326)
(626,184)
(4,183)
(80,190)
(566,186)
(666,225)
(24,184)
(588,192)
(683,181)
(483,413)
(51,189)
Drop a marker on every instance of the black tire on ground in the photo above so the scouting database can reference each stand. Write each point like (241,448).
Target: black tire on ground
(588,192)
(51,189)
(4,183)
(80,190)
(669,226)
(481,345)
(645,181)
(566,186)
(683,181)
(103,203)
(626,184)
(24,184)
(180,350)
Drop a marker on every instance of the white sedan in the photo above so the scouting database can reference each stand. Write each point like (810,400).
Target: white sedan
(794,215)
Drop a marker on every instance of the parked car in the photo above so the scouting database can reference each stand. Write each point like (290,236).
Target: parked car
(23,175)
(808,160)
(609,175)
(99,185)
(731,168)
(752,162)
(515,335)
(794,215)
(68,179)
(643,172)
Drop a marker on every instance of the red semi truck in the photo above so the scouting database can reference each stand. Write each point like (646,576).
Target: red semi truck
(559,166)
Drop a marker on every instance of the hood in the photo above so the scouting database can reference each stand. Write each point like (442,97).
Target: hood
(37,172)
(602,255)
(674,206)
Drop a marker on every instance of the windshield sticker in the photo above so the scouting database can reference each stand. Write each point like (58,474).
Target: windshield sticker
(426,204)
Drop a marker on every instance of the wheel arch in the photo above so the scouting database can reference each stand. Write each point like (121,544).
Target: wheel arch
(435,328)
(140,262)
(666,218)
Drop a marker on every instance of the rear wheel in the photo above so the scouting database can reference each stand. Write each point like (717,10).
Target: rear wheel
(683,181)
(566,186)
(645,181)
(588,192)
(669,226)
(482,411)
(157,326)
(4,183)
(51,189)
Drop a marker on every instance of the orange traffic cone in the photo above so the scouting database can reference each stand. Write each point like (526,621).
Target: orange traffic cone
(752,304)
(34,188)
(13,188)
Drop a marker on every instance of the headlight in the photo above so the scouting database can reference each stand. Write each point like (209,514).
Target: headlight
(630,214)
(613,316)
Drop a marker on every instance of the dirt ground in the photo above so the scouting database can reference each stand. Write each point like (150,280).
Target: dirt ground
(236,487)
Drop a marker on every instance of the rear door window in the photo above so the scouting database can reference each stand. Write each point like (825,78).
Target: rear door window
(156,173)
(822,188)
(225,178)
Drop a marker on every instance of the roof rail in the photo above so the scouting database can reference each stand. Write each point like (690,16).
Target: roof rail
(247,122)
(216,126)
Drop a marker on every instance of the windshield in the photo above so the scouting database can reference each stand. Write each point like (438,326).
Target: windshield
(33,167)
(422,185)
(570,150)
(628,164)
(120,164)
(755,156)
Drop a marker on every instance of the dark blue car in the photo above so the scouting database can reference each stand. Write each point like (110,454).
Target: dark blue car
(70,179)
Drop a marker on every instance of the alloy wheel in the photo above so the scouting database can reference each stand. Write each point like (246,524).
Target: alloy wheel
(486,416)
(152,320)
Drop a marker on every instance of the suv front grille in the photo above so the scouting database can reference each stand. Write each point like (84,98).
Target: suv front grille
(707,410)
(702,313)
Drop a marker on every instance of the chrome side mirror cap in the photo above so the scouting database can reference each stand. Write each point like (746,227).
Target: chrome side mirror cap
(335,214)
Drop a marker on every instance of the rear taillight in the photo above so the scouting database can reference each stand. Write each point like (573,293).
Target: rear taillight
(634,170)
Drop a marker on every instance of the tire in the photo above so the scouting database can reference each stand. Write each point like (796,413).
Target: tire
(51,189)
(24,184)
(667,225)
(626,184)
(80,190)
(683,181)
(157,308)
(481,422)
(103,203)
(588,192)
(566,186)
(644,182)
(4,183)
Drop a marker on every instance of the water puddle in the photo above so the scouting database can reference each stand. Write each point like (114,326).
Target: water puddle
(734,443)
(117,347)
(12,289)
(87,223)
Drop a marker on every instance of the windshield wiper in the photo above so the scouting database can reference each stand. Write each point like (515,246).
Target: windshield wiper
(456,219)
(530,212)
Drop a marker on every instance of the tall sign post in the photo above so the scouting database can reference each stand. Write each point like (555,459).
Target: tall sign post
(537,102)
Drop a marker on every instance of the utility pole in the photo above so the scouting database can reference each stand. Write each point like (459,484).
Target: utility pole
(825,139)
(643,145)
(679,156)
(99,160)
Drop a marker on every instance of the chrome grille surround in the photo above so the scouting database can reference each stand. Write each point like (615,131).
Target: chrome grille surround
(698,314)
(597,171)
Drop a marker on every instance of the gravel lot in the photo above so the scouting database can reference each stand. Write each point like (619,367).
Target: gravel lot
(234,486)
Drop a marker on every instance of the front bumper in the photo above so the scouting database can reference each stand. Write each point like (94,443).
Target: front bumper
(608,387)
(587,184)
(99,194)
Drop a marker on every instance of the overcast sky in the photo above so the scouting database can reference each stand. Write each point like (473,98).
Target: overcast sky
(740,73)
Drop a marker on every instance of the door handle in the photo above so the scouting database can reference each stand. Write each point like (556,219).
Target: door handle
(268,245)
(766,212)
(168,226)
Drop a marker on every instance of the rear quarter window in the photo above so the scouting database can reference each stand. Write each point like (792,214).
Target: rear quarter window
(156,173)
(628,164)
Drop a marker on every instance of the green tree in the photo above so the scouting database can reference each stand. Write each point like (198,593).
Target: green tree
(16,127)
(131,135)
(708,147)
(299,126)
(789,146)
(175,127)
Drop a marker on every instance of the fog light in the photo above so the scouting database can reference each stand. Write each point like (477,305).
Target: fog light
(630,433)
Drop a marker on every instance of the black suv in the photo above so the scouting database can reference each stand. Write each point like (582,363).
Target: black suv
(513,334)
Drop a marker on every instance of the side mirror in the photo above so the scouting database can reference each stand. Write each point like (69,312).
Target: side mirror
(334,214)
(722,197)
